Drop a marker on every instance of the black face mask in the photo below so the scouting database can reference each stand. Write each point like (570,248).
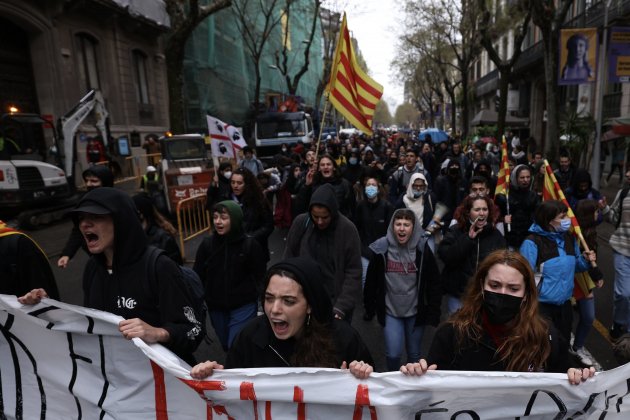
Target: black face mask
(501,308)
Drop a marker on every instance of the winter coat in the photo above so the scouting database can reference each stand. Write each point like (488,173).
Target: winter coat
(448,354)
(556,285)
(338,246)
(523,203)
(372,220)
(159,238)
(343,192)
(256,346)
(462,255)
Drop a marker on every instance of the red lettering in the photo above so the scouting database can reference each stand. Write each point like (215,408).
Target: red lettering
(161,412)
(248,393)
(363,399)
(298,397)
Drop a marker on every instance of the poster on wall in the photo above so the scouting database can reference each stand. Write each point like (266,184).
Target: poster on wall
(619,55)
(578,56)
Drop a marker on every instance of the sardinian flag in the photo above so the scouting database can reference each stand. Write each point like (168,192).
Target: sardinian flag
(226,140)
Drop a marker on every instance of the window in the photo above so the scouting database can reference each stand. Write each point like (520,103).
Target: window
(88,63)
(140,69)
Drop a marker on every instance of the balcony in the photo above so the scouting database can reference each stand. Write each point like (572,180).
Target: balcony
(487,84)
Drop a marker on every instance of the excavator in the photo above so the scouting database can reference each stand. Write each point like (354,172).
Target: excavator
(35,191)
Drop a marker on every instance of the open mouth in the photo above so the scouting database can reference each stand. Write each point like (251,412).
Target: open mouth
(90,238)
(279,327)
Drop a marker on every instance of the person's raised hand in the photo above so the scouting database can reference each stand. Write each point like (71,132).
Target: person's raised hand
(33,297)
(63,261)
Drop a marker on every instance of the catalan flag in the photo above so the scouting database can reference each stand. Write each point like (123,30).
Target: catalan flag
(552,191)
(503,180)
(350,90)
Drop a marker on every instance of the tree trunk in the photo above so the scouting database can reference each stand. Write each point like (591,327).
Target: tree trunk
(465,104)
(504,82)
(550,42)
(174,73)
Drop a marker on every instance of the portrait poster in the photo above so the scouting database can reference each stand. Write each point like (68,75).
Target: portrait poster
(578,56)
(619,55)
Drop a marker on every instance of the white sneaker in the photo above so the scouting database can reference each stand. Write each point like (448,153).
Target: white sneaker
(582,355)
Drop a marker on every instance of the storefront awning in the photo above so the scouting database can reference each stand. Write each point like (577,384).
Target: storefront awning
(489,117)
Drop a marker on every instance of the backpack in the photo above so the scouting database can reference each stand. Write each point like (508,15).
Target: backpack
(193,285)
(551,292)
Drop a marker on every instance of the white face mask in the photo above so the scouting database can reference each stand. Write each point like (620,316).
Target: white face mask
(227,174)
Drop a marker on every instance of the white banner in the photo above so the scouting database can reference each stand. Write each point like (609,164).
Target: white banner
(226,140)
(59,361)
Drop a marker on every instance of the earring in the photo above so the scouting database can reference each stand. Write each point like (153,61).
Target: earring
(308,320)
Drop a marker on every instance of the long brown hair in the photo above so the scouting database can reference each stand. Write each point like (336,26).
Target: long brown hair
(315,347)
(463,211)
(527,346)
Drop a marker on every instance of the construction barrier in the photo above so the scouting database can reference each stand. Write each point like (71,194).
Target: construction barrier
(192,219)
(130,168)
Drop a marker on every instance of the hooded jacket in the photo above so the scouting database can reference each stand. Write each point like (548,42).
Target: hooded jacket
(231,266)
(163,301)
(523,203)
(423,207)
(556,285)
(462,255)
(257,346)
(75,240)
(337,249)
(403,278)
(371,221)
(450,190)
(573,193)
(399,180)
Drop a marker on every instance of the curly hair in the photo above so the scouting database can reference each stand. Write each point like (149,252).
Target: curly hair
(315,347)
(527,347)
(462,212)
(252,196)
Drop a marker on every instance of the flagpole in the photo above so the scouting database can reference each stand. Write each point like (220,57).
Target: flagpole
(323,120)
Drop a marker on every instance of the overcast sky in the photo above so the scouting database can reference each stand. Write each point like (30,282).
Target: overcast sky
(376,25)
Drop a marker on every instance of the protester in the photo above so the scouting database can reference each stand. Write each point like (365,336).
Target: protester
(553,252)
(588,216)
(518,208)
(466,245)
(251,162)
(157,310)
(450,188)
(297,329)
(399,180)
(23,264)
(581,188)
(564,174)
(402,287)
(231,267)
(372,219)
(618,213)
(328,237)
(160,232)
(419,199)
(327,172)
(94,177)
(219,189)
(498,327)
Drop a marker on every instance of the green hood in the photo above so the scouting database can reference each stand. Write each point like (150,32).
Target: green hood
(236,218)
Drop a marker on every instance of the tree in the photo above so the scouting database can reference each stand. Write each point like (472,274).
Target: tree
(282,56)
(256,21)
(185,15)
(549,16)
(382,114)
(405,115)
(491,28)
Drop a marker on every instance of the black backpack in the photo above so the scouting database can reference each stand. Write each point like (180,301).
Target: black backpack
(193,285)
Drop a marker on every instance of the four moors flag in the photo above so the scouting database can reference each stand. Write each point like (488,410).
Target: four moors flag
(226,140)
(351,91)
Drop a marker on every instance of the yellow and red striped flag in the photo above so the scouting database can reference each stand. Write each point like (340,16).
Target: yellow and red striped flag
(552,191)
(503,179)
(350,90)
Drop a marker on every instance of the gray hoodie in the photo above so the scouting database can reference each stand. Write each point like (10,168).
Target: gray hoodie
(401,297)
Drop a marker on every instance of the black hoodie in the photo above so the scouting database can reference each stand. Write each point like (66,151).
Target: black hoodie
(162,302)
(337,249)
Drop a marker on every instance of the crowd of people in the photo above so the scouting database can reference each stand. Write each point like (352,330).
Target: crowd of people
(409,232)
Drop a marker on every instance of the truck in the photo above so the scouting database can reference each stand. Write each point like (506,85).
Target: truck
(273,129)
(36,191)
(185,169)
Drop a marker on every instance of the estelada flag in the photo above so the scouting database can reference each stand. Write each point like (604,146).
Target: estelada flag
(552,191)
(351,91)
(503,180)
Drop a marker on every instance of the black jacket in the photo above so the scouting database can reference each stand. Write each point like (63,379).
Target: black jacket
(232,272)
(429,296)
(343,192)
(480,356)
(163,301)
(254,346)
(462,255)
(372,220)
(159,238)
(523,203)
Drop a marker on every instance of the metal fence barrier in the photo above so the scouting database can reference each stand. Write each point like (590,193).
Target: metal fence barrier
(192,219)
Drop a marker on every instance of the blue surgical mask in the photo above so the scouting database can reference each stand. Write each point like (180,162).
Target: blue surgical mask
(371,191)
(565,225)
(352,161)
(418,194)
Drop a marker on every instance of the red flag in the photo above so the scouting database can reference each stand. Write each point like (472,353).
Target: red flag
(503,180)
